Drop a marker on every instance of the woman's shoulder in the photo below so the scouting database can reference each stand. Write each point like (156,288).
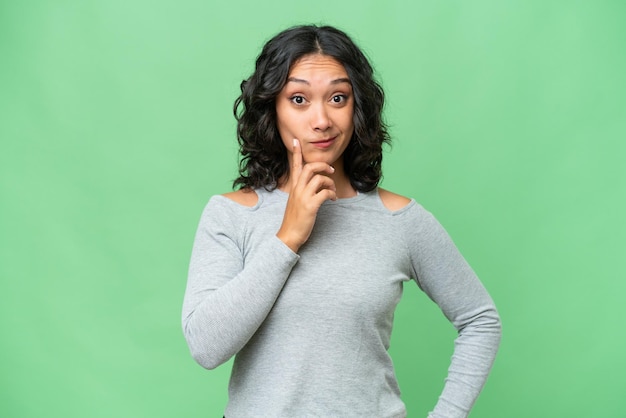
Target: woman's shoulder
(231,205)
(244,197)
(407,210)
(393,201)
(229,211)
(416,224)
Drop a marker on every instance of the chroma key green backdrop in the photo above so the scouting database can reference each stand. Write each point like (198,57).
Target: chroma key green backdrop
(509,123)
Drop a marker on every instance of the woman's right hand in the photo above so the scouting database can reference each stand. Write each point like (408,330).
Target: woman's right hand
(310,186)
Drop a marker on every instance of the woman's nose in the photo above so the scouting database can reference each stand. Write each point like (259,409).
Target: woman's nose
(320,119)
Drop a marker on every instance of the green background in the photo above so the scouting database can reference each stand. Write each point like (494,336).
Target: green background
(509,123)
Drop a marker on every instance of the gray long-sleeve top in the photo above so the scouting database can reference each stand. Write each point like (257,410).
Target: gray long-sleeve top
(310,331)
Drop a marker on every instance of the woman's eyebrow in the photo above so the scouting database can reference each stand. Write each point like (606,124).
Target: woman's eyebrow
(302,81)
(341,80)
(297,80)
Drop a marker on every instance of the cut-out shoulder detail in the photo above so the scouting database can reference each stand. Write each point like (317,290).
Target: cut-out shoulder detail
(392,201)
(245,197)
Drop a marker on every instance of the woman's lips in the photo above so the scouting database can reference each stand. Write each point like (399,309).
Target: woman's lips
(324,143)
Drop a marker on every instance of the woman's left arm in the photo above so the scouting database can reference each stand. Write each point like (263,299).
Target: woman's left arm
(444,275)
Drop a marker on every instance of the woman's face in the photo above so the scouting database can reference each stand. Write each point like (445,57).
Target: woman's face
(316,106)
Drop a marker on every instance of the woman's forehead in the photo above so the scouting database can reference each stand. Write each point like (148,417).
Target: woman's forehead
(310,65)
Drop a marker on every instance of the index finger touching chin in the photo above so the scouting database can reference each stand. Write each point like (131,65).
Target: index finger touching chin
(297,154)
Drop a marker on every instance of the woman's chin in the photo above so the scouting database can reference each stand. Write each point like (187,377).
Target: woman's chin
(317,158)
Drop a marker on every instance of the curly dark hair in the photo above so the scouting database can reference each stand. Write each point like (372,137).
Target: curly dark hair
(263,155)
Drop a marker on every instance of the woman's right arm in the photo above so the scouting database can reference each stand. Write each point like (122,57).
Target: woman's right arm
(227,299)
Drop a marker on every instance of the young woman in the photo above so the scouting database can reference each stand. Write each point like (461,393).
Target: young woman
(297,273)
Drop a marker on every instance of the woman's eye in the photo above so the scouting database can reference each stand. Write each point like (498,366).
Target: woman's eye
(339,98)
(297,100)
